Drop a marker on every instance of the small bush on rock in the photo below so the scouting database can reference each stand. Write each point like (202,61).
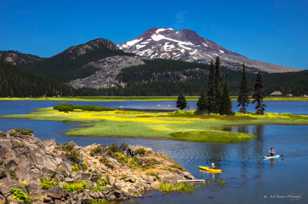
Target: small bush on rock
(48,183)
(141,151)
(100,184)
(24,131)
(20,195)
(96,150)
(71,152)
(75,186)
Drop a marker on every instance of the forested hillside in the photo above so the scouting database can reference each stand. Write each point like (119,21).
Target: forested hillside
(14,83)
(71,63)
(169,77)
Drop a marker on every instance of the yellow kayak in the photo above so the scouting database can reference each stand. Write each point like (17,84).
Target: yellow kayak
(210,170)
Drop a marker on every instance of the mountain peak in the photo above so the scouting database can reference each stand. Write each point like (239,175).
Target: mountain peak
(168,43)
(90,46)
(188,45)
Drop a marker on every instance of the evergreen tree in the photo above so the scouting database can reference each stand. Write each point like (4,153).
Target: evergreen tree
(226,104)
(258,95)
(202,104)
(218,87)
(14,83)
(243,99)
(181,102)
(211,89)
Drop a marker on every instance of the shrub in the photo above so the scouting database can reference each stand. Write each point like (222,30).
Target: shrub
(100,184)
(123,147)
(20,132)
(48,183)
(64,108)
(74,156)
(70,107)
(71,152)
(79,166)
(141,151)
(2,134)
(12,174)
(96,150)
(113,148)
(75,167)
(132,162)
(20,195)
(106,162)
(24,131)
(122,158)
(177,187)
(68,146)
(75,186)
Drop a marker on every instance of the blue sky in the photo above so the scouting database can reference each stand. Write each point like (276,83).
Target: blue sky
(274,31)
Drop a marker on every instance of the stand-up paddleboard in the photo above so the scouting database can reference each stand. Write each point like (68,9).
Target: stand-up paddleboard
(272,157)
(210,170)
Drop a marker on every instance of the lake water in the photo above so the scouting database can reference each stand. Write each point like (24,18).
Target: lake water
(247,178)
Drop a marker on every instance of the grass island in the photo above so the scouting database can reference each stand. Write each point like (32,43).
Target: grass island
(179,125)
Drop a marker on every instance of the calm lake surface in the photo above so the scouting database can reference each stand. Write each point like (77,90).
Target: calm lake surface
(247,178)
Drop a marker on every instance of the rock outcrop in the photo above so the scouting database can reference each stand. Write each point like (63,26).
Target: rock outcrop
(35,171)
(107,71)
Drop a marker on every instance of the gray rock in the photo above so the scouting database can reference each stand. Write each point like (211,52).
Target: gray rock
(47,171)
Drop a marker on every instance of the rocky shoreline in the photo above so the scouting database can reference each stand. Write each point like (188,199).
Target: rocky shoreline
(36,171)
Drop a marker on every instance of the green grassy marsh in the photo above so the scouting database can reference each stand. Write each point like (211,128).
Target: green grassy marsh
(180,125)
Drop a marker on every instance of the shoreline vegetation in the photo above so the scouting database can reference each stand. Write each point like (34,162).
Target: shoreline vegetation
(67,173)
(137,98)
(178,125)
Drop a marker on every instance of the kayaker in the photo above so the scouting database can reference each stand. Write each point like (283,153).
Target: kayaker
(272,152)
(213,165)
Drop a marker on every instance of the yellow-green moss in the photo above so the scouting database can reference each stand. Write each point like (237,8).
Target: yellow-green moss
(177,187)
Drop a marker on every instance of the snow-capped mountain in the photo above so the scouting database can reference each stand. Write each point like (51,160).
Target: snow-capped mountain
(187,45)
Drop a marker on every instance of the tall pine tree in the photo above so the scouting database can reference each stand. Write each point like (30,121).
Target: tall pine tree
(202,103)
(181,102)
(218,88)
(243,98)
(258,95)
(211,89)
(226,104)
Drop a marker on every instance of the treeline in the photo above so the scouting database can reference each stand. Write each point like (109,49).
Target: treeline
(14,83)
(168,78)
(216,98)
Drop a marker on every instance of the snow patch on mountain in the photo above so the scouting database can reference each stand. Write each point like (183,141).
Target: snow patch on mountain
(187,45)
(162,29)
(131,43)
